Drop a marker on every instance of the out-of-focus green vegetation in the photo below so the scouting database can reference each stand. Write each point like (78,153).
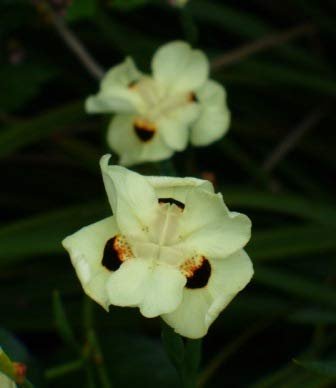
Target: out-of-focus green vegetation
(277,164)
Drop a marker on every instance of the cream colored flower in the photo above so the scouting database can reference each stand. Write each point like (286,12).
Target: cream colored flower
(156,115)
(6,382)
(171,248)
(5,366)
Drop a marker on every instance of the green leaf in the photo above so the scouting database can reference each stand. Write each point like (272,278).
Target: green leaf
(42,234)
(30,131)
(137,361)
(82,152)
(293,284)
(324,368)
(313,316)
(173,345)
(81,9)
(128,4)
(63,324)
(64,369)
(249,25)
(287,242)
(185,357)
(117,34)
(281,76)
(192,359)
(242,23)
(281,203)
(21,82)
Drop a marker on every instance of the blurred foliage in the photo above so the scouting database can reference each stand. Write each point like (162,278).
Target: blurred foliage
(49,152)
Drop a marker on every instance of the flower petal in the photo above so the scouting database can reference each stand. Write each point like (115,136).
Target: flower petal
(86,248)
(164,291)
(214,119)
(200,307)
(175,126)
(209,229)
(122,139)
(155,290)
(177,188)
(131,197)
(177,65)
(126,287)
(230,275)
(115,95)
(6,382)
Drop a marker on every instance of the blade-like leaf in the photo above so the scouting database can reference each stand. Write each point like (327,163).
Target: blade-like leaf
(31,131)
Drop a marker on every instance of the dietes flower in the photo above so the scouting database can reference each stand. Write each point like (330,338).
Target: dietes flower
(6,382)
(156,115)
(171,248)
(6,366)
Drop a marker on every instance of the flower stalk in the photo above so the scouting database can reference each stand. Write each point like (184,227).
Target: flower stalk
(185,355)
(95,351)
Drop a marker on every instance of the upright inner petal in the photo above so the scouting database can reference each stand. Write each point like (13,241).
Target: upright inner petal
(158,101)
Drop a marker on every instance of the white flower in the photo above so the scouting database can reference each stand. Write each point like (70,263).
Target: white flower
(6,382)
(5,365)
(156,115)
(171,248)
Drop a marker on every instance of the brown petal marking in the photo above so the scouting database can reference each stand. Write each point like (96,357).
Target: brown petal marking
(144,129)
(116,251)
(192,97)
(132,84)
(197,271)
(172,201)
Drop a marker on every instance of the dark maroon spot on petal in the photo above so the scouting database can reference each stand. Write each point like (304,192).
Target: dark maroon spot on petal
(144,131)
(111,257)
(193,97)
(132,84)
(172,201)
(200,276)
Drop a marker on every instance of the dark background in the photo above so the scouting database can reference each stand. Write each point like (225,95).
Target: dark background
(277,164)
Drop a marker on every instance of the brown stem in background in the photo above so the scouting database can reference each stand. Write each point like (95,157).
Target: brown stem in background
(261,44)
(74,44)
(291,140)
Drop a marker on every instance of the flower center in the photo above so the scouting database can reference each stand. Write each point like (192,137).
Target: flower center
(172,201)
(197,271)
(116,251)
(157,102)
(160,247)
(144,129)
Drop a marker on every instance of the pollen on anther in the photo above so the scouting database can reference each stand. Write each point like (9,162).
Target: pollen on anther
(144,129)
(197,271)
(132,84)
(116,251)
(192,97)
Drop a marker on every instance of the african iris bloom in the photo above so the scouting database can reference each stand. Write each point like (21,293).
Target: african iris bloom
(6,382)
(156,115)
(171,248)
(5,365)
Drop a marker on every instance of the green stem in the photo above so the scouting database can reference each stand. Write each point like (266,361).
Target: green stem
(98,359)
(94,346)
(88,316)
(61,370)
(188,25)
(185,356)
